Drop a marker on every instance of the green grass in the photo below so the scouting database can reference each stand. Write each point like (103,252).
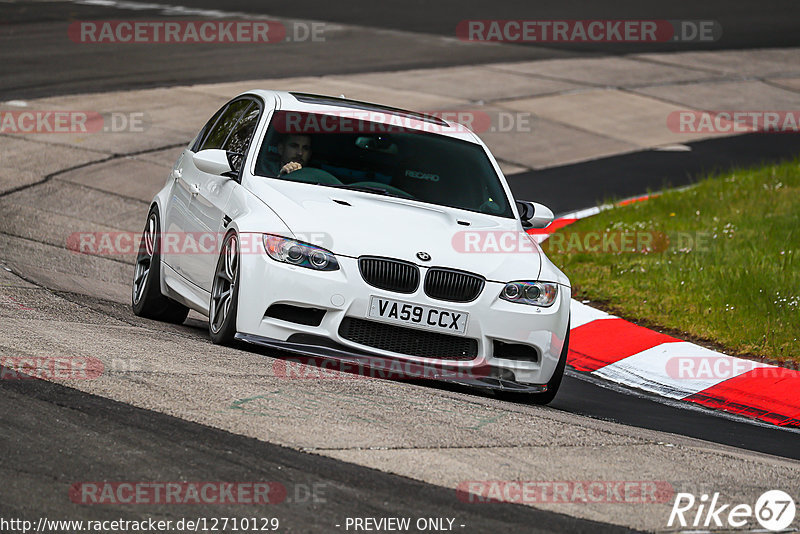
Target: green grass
(738,287)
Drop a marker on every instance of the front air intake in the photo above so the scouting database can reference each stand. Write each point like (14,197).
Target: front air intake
(392,275)
(452,285)
(408,341)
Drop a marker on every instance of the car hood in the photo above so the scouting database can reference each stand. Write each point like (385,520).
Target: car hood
(354,223)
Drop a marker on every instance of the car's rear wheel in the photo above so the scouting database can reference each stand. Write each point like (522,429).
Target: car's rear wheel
(146,297)
(225,293)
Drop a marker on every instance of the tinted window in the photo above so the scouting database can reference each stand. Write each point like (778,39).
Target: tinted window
(239,139)
(226,122)
(210,124)
(383,159)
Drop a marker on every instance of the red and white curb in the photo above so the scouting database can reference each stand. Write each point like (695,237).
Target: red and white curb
(620,351)
(617,350)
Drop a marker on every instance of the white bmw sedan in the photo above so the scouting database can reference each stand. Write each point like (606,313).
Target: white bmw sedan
(337,229)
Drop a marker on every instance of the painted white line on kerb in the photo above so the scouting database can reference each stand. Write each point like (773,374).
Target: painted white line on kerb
(581,314)
(650,369)
(588,212)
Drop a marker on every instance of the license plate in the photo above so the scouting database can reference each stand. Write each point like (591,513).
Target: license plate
(418,316)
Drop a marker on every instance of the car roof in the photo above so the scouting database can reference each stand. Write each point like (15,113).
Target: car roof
(331,105)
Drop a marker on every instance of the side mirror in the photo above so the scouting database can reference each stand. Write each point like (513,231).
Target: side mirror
(534,214)
(212,161)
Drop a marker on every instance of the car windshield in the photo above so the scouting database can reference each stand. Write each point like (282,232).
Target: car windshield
(393,160)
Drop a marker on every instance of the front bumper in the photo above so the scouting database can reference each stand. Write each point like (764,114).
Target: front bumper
(343,293)
(377,367)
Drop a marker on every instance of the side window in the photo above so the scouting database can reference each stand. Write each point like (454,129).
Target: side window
(227,121)
(240,137)
(204,132)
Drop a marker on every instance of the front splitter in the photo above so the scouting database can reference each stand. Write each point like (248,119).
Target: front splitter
(393,369)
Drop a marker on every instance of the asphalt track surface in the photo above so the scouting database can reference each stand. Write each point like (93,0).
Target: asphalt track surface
(362,37)
(572,187)
(744,24)
(152,446)
(43,422)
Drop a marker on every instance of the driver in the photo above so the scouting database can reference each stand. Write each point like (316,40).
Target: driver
(295,153)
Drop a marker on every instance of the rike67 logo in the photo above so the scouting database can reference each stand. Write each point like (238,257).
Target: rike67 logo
(774,510)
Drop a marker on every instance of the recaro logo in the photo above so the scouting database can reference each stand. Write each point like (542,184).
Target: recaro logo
(422,176)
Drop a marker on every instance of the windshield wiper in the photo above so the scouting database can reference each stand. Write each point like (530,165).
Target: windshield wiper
(366,189)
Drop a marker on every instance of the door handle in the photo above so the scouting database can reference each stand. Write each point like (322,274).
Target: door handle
(195,189)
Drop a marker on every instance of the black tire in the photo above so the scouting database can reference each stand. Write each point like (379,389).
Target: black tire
(146,298)
(555,381)
(552,386)
(225,293)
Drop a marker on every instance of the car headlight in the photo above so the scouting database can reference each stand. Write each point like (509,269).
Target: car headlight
(301,254)
(533,293)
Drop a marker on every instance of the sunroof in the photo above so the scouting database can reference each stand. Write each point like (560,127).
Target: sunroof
(309,98)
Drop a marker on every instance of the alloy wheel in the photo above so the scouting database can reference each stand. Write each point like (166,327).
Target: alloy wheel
(225,278)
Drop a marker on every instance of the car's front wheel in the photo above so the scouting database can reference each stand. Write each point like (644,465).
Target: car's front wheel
(146,297)
(555,382)
(552,386)
(225,292)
